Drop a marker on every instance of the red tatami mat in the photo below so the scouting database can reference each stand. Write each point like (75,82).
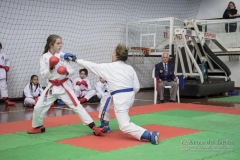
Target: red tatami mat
(116,139)
(19,126)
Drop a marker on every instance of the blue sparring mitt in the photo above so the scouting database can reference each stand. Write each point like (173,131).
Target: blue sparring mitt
(67,55)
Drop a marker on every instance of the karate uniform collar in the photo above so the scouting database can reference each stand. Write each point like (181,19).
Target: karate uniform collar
(119,61)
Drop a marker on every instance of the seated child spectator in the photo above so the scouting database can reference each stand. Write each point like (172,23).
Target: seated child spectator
(82,87)
(32,91)
(101,88)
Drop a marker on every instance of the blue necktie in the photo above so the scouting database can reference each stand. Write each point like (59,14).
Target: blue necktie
(165,69)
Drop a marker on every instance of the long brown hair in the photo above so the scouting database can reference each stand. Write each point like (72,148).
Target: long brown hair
(50,42)
(233,5)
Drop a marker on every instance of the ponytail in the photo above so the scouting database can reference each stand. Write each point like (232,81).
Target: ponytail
(46,48)
(50,42)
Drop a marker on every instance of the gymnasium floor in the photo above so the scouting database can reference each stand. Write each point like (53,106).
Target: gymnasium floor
(145,97)
(194,129)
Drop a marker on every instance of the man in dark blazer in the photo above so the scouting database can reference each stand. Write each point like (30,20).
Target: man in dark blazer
(164,73)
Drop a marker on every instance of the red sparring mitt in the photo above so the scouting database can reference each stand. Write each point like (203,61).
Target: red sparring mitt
(53,61)
(6,68)
(62,70)
(78,83)
(84,83)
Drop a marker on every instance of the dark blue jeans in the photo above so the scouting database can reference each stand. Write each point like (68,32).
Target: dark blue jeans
(232,27)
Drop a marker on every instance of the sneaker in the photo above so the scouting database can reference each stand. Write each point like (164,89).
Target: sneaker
(97,131)
(36,130)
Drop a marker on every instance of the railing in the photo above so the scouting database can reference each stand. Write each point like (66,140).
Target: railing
(158,34)
(227,30)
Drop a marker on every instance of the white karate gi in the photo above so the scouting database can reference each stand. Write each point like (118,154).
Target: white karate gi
(57,92)
(4,61)
(83,91)
(119,76)
(31,94)
(101,89)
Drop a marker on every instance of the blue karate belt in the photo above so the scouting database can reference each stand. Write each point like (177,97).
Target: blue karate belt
(109,98)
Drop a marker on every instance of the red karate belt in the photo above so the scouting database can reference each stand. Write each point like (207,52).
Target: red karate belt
(1,66)
(60,83)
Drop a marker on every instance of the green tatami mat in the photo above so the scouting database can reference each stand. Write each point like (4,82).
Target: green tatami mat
(224,123)
(219,139)
(47,151)
(196,148)
(232,99)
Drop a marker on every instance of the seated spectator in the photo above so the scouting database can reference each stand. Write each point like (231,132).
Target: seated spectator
(82,87)
(101,88)
(164,72)
(230,13)
(32,91)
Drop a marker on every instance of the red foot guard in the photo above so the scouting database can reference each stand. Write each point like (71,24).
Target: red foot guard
(97,131)
(10,103)
(36,130)
(82,100)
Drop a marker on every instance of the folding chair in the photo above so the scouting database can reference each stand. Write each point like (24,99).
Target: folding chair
(156,91)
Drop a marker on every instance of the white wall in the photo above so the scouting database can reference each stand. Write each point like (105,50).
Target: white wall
(89,28)
(215,9)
